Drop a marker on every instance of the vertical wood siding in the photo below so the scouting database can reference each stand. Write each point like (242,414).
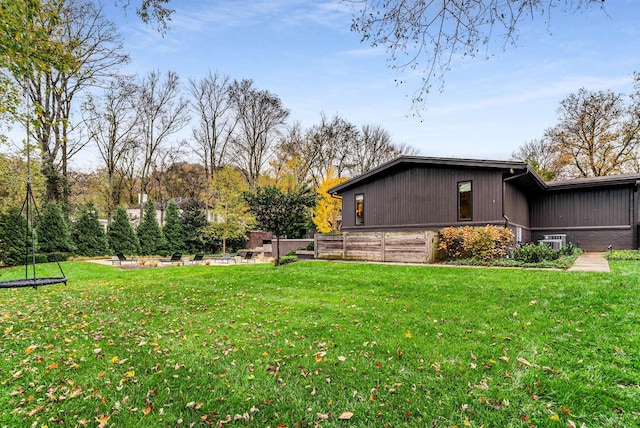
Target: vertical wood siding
(598,207)
(516,205)
(423,196)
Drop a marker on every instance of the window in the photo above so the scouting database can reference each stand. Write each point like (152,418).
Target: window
(359,208)
(464,201)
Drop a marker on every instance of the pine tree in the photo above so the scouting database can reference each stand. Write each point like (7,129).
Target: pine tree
(88,234)
(172,229)
(194,222)
(122,238)
(53,231)
(16,238)
(149,232)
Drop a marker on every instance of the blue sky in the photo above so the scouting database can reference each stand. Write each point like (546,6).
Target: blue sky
(306,54)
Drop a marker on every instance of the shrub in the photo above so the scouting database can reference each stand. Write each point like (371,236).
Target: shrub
(288,259)
(310,246)
(482,243)
(532,253)
(623,255)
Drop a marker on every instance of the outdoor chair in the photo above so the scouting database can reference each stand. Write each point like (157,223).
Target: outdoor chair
(175,258)
(197,258)
(248,257)
(226,257)
(122,258)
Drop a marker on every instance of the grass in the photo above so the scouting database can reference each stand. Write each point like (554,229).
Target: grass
(310,342)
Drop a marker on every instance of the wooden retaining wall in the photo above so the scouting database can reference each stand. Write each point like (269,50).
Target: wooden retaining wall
(403,247)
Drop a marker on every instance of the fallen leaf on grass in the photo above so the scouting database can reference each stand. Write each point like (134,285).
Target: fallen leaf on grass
(524,361)
(345,416)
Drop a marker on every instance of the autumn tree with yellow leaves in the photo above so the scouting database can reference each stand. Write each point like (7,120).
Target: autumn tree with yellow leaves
(327,212)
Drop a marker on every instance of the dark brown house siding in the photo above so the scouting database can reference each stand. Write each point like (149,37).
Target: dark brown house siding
(516,209)
(421,193)
(419,197)
(592,219)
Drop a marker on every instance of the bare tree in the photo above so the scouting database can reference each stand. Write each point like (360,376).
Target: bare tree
(161,112)
(598,132)
(211,103)
(330,144)
(261,115)
(293,158)
(94,49)
(543,156)
(110,121)
(425,36)
(374,147)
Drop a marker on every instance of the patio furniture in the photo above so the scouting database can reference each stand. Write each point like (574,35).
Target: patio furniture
(248,257)
(226,258)
(175,258)
(122,258)
(197,258)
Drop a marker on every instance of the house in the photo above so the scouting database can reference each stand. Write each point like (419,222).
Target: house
(133,211)
(413,193)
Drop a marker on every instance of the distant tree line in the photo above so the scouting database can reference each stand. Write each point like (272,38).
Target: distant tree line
(77,100)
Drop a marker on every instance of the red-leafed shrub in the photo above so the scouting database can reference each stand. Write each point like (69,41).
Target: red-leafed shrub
(482,243)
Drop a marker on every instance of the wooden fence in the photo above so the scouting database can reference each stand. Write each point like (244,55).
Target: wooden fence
(405,247)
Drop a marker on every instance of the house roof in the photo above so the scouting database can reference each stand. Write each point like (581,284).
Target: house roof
(519,171)
(608,180)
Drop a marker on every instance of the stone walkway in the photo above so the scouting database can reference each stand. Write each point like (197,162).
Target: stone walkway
(590,262)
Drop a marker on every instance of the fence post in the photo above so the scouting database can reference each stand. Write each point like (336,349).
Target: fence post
(344,245)
(315,245)
(382,246)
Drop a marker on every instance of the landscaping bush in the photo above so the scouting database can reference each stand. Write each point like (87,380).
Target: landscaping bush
(310,246)
(288,258)
(623,255)
(482,243)
(532,253)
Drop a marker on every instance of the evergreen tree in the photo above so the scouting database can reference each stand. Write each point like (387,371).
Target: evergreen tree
(172,229)
(53,232)
(88,234)
(122,238)
(16,238)
(149,232)
(194,222)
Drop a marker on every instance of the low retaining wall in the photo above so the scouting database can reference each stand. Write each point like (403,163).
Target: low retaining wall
(403,247)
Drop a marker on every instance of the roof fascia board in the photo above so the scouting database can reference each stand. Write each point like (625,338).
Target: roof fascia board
(420,160)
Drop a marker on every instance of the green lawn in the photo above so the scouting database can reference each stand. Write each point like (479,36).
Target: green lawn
(309,342)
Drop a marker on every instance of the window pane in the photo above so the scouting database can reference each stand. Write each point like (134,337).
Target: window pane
(360,209)
(464,200)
